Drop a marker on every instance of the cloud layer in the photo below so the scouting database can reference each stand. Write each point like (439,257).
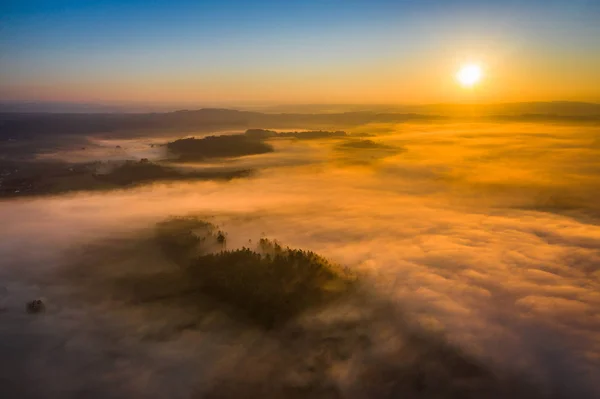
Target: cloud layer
(486,233)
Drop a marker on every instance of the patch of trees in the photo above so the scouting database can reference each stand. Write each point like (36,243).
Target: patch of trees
(269,284)
(132,172)
(40,178)
(183,238)
(193,149)
(20,178)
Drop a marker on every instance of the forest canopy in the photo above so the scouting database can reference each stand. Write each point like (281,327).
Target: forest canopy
(193,149)
(268,284)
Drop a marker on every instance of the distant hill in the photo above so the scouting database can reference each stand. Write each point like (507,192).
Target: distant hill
(15,125)
(26,125)
(566,108)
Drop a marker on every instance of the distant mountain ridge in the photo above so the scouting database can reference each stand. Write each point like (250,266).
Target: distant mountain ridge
(22,125)
(14,125)
(565,108)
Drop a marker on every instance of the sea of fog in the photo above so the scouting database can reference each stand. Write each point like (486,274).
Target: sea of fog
(486,234)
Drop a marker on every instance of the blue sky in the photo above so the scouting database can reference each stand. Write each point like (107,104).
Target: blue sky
(67,48)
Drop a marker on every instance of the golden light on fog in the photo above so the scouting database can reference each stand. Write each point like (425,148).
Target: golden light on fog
(469,74)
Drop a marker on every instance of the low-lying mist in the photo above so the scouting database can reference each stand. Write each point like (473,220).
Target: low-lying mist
(477,248)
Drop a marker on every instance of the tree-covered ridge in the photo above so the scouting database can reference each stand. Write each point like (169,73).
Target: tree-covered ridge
(132,172)
(193,149)
(30,178)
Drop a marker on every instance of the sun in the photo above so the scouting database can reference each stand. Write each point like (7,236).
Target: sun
(469,75)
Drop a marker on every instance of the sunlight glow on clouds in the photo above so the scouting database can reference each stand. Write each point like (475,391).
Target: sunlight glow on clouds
(506,265)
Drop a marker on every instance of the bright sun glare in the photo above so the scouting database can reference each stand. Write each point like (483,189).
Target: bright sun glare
(469,75)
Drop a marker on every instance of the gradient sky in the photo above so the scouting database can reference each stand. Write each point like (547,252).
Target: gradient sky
(342,51)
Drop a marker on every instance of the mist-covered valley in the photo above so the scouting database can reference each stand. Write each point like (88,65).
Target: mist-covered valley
(473,248)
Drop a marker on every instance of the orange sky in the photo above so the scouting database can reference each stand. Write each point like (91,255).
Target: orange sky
(312,53)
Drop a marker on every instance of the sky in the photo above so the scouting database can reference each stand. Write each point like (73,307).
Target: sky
(327,51)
